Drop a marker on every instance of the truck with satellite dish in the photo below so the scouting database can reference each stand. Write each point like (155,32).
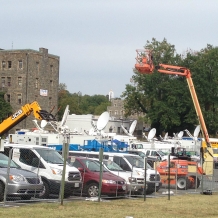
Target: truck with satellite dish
(42,160)
(144,65)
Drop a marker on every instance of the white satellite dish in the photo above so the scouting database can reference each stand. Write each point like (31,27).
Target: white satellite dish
(43,123)
(91,131)
(102,120)
(124,130)
(180,135)
(166,136)
(197,131)
(151,134)
(64,118)
(37,125)
(132,127)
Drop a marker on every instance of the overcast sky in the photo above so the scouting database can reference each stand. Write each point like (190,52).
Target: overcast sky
(96,39)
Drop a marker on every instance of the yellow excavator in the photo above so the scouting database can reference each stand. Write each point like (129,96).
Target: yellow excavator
(24,112)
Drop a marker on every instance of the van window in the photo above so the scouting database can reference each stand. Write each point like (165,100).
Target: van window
(28,157)
(137,162)
(50,156)
(147,152)
(122,163)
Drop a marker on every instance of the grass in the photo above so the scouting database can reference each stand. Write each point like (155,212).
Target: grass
(178,206)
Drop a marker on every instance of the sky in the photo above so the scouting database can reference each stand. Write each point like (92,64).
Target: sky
(96,40)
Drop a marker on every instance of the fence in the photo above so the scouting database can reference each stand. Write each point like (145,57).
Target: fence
(36,174)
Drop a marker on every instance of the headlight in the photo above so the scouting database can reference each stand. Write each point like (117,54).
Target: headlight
(56,171)
(108,181)
(17,178)
(132,180)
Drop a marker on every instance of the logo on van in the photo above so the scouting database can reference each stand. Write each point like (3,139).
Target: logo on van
(16,114)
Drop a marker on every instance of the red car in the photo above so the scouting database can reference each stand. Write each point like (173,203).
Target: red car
(112,185)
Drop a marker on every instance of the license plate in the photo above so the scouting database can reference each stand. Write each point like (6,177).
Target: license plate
(76,185)
(156,184)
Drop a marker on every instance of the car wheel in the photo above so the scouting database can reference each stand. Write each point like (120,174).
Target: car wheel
(46,191)
(182,183)
(2,190)
(92,190)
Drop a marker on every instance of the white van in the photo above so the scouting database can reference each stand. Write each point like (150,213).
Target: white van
(47,163)
(131,163)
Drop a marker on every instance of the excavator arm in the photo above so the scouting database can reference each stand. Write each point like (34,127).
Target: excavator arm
(24,112)
(144,65)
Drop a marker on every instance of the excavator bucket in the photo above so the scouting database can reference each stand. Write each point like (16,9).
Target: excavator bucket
(144,63)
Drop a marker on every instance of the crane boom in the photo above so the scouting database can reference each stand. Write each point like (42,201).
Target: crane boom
(144,65)
(24,112)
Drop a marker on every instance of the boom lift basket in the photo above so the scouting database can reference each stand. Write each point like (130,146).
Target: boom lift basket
(144,63)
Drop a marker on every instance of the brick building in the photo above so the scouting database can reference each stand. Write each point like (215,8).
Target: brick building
(28,75)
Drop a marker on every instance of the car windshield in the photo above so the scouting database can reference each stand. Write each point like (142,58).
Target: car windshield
(137,161)
(50,156)
(4,162)
(112,165)
(161,153)
(92,165)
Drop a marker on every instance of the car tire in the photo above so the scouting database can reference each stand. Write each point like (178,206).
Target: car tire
(2,190)
(92,190)
(46,191)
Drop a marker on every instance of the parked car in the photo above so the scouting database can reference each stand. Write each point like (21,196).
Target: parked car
(21,183)
(48,163)
(134,182)
(112,185)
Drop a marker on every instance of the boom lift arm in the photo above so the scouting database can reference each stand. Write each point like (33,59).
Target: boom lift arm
(24,112)
(144,65)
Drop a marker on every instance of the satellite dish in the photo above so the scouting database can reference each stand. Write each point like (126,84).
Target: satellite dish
(103,120)
(43,123)
(151,134)
(64,118)
(197,131)
(180,135)
(166,135)
(91,131)
(132,127)
(37,125)
(124,130)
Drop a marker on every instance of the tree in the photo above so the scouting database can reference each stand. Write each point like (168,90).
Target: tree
(157,94)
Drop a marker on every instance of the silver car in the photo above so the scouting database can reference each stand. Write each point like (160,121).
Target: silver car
(21,183)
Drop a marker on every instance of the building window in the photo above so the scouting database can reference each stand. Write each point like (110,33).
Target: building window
(19,98)
(20,64)
(3,82)
(51,83)
(115,113)
(37,66)
(3,64)
(9,81)
(19,81)
(51,68)
(50,102)
(8,98)
(37,83)
(9,64)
